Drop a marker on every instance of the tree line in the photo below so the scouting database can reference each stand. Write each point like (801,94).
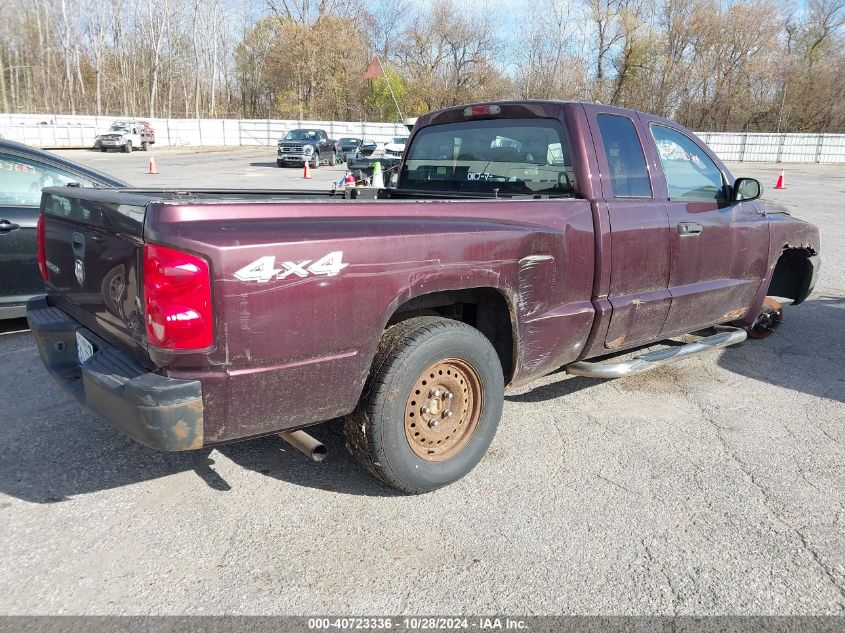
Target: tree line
(721,65)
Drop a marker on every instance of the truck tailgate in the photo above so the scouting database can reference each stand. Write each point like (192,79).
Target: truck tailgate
(93,250)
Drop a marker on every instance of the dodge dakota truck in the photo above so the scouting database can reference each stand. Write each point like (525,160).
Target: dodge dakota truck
(520,237)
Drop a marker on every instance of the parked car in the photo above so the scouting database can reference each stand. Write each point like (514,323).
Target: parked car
(307,145)
(126,135)
(348,145)
(395,148)
(521,237)
(368,147)
(24,171)
(362,163)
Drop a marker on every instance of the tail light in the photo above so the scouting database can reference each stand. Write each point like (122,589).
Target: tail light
(42,252)
(177,299)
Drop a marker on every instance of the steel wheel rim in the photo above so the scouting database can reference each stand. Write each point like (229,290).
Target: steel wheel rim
(443,409)
(769,319)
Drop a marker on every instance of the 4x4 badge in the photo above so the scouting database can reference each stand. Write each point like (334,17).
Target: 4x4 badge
(264,268)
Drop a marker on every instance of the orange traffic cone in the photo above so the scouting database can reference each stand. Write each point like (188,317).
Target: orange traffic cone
(780,184)
(152,169)
(306,172)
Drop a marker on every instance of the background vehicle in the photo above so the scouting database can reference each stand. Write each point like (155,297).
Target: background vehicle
(520,238)
(368,147)
(307,145)
(24,171)
(348,145)
(126,136)
(361,163)
(396,147)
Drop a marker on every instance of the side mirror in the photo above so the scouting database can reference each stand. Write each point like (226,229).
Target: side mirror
(747,189)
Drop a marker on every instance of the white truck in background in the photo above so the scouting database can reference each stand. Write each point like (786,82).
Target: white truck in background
(126,135)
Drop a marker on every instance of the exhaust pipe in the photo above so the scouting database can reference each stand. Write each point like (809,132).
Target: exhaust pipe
(305,444)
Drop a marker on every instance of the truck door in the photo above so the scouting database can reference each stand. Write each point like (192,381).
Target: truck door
(639,227)
(719,248)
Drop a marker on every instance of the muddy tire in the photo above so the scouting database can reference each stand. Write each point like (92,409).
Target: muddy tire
(430,407)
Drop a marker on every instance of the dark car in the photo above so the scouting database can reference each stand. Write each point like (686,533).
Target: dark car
(348,145)
(368,146)
(24,171)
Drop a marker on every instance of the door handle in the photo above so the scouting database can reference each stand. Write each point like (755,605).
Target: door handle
(689,228)
(8,227)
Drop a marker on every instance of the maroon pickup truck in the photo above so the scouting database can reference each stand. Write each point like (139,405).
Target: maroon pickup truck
(519,237)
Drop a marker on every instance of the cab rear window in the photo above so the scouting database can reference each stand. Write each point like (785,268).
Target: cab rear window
(507,156)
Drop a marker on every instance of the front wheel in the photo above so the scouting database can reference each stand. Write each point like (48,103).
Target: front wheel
(128,148)
(769,319)
(280,163)
(431,405)
(316,161)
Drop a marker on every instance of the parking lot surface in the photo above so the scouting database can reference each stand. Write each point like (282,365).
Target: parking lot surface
(715,485)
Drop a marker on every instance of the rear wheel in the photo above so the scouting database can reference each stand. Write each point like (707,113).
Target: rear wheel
(431,405)
(769,319)
(333,159)
(145,146)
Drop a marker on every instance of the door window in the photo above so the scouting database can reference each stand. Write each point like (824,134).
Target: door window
(690,174)
(628,170)
(22,179)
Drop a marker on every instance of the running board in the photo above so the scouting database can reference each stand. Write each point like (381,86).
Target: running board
(727,336)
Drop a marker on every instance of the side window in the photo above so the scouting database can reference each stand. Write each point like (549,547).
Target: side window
(628,170)
(690,174)
(22,179)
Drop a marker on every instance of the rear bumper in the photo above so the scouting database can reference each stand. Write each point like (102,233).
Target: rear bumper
(163,413)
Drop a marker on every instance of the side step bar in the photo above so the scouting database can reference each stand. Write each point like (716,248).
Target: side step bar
(727,336)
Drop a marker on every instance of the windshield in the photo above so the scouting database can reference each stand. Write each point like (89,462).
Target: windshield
(301,135)
(400,140)
(348,141)
(118,127)
(504,155)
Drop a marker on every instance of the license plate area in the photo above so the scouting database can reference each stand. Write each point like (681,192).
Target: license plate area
(84,348)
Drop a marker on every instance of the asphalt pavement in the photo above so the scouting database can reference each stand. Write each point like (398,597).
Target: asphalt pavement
(715,485)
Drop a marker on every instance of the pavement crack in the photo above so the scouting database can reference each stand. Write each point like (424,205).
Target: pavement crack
(613,483)
(770,503)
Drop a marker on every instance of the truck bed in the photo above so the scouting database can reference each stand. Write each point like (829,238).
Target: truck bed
(316,327)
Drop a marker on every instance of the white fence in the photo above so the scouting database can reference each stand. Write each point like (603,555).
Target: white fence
(53,131)
(777,148)
(79,131)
